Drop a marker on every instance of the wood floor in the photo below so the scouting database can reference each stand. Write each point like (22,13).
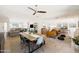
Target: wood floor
(12,45)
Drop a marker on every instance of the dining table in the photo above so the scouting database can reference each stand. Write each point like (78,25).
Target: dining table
(31,38)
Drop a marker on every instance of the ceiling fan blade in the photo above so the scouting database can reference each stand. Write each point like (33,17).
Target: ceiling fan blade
(41,11)
(34,13)
(31,8)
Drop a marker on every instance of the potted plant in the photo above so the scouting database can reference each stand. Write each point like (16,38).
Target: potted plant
(76,42)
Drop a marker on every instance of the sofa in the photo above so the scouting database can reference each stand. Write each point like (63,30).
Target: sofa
(53,33)
(15,31)
(50,33)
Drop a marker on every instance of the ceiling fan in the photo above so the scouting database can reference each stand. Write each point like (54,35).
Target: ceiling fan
(36,11)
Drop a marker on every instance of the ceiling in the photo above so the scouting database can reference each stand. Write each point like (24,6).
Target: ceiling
(53,11)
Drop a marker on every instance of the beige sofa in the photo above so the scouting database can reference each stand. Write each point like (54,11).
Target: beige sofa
(15,31)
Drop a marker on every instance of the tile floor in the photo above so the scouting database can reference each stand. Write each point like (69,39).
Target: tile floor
(12,45)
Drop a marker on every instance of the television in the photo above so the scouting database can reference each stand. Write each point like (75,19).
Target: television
(31,26)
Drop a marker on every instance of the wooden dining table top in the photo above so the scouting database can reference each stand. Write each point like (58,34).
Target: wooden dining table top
(31,37)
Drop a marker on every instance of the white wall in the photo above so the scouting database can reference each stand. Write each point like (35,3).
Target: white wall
(54,22)
(3,19)
(47,22)
(4,25)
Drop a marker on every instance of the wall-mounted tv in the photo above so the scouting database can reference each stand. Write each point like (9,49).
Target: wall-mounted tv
(31,26)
